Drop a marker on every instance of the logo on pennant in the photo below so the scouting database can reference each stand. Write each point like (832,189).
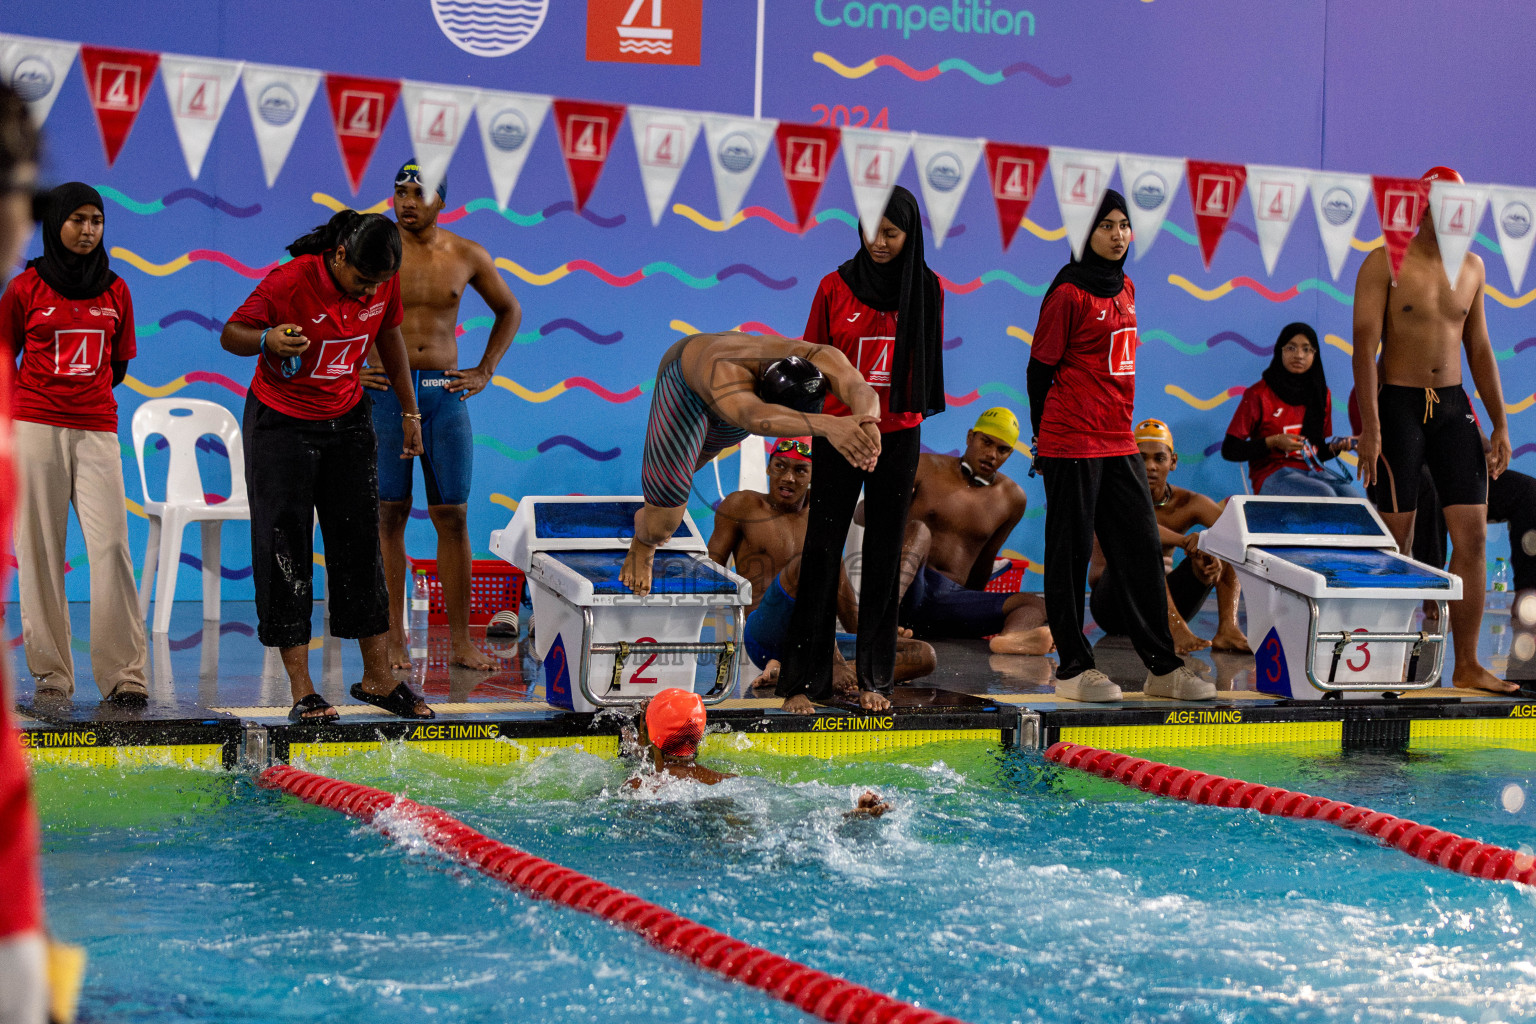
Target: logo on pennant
(1081,177)
(645,31)
(805,157)
(663,140)
(277,98)
(1457,209)
(1338,200)
(35,68)
(1014,172)
(1512,221)
(945,166)
(509,123)
(873,159)
(737,146)
(116,81)
(1276,194)
(586,130)
(360,108)
(1150,182)
(1213,191)
(198,89)
(437,116)
(1399,206)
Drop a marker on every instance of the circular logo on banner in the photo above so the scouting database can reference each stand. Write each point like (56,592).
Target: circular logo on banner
(943,172)
(1515,219)
(508,130)
(277,104)
(490,28)
(32,78)
(1150,190)
(737,152)
(1338,206)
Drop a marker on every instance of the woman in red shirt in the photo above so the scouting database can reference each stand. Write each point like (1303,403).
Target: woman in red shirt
(70,320)
(884,310)
(1281,426)
(1082,390)
(310,448)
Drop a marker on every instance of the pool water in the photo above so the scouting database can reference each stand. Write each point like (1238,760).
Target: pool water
(1001,888)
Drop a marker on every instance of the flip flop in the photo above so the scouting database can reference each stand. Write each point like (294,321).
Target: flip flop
(311,702)
(399,701)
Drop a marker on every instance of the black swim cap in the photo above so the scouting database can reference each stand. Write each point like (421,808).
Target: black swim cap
(793,382)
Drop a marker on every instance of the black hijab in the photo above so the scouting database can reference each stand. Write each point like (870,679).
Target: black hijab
(70,274)
(908,288)
(1309,389)
(1093,273)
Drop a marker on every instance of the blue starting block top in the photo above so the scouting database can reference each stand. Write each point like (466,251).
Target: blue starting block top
(1361,568)
(1292,517)
(672,572)
(597,520)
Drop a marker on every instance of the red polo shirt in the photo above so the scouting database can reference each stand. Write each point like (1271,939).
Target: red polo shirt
(867,337)
(1262,414)
(1092,343)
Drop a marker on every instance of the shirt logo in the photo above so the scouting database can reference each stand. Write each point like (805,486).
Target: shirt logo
(318,318)
(874,360)
(854,318)
(77,353)
(48,311)
(105,311)
(1122,353)
(339,357)
(377,309)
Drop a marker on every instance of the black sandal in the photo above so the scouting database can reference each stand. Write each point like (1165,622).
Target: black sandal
(311,702)
(399,701)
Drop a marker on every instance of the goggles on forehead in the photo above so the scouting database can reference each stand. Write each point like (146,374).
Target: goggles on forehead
(792,445)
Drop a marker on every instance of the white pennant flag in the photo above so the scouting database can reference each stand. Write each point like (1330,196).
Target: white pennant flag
(1457,209)
(874,159)
(1276,194)
(944,169)
(35,68)
(1338,200)
(1081,177)
(663,140)
(509,123)
(1514,216)
(1150,183)
(198,89)
(437,116)
(737,146)
(278,99)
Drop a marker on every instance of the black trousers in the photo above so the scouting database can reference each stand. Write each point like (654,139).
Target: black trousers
(1110,497)
(1111,611)
(1511,499)
(807,663)
(295,469)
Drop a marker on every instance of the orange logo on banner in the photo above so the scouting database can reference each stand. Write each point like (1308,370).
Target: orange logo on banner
(645,31)
(1400,203)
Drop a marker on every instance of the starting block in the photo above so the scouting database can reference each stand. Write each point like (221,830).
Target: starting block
(603,645)
(1330,602)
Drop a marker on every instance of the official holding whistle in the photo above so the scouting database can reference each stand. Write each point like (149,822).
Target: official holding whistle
(310,447)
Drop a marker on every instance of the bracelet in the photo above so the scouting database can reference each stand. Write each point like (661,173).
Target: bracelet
(411,415)
(263,346)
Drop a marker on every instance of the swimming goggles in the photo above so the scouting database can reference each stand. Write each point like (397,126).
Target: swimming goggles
(786,445)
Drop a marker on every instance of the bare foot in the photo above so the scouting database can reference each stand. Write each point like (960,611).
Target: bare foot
(845,681)
(1431,611)
(869,700)
(1230,638)
(399,656)
(468,655)
(799,704)
(769,676)
(636,571)
(1186,642)
(1478,678)
(1028,641)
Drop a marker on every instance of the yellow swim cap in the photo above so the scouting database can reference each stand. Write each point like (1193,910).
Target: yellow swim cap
(1154,430)
(1000,423)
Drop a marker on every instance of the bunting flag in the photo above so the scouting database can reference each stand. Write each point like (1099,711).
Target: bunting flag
(277,98)
(1276,194)
(116,81)
(1150,184)
(1014,173)
(1081,177)
(1457,209)
(35,68)
(874,158)
(944,168)
(1514,214)
(805,157)
(1400,206)
(437,116)
(586,132)
(1213,192)
(198,89)
(509,124)
(737,146)
(1338,200)
(360,108)
(663,140)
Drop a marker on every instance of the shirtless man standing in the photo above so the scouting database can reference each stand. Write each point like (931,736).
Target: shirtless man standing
(1178,512)
(1417,413)
(969,509)
(437,266)
(713,391)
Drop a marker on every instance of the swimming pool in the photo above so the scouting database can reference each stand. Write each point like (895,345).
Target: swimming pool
(1000,889)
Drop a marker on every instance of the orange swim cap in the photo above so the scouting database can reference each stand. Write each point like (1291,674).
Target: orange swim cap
(1441,174)
(674,719)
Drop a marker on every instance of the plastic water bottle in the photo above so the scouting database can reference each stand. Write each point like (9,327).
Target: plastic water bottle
(1498,586)
(420,606)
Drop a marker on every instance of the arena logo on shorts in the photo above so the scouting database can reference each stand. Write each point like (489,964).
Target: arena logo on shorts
(377,309)
(32,78)
(963,16)
(435,382)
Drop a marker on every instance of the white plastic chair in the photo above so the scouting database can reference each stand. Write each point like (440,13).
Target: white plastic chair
(182,421)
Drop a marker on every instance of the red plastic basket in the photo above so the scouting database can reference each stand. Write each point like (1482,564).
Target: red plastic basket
(493,586)
(1009,580)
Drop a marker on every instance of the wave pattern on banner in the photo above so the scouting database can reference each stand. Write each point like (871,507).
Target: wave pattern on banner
(522,220)
(660,267)
(155,206)
(185,260)
(885,60)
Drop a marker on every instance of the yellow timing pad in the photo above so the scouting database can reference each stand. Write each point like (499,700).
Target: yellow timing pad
(1123,738)
(188,755)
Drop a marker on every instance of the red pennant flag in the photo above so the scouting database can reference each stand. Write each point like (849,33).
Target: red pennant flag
(117,82)
(1400,203)
(360,108)
(1213,191)
(805,154)
(587,131)
(1014,173)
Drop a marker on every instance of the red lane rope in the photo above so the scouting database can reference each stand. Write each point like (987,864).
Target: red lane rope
(815,992)
(1443,849)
